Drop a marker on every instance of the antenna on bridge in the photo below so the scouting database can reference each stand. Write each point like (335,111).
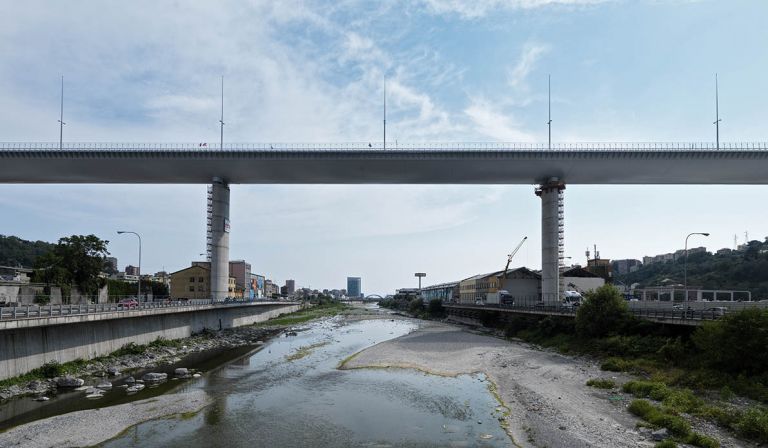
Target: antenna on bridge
(549,110)
(61,116)
(717,116)
(222,114)
(385,114)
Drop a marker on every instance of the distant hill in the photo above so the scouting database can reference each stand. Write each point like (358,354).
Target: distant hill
(16,252)
(741,270)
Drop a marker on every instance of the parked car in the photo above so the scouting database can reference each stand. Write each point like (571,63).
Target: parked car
(717,311)
(128,303)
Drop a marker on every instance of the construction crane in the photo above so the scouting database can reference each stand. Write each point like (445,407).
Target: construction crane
(510,256)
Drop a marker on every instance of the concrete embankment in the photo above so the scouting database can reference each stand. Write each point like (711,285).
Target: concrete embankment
(26,344)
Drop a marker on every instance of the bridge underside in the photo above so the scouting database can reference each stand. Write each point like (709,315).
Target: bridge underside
(401,166)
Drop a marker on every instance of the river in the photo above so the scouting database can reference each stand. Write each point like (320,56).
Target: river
(290,393)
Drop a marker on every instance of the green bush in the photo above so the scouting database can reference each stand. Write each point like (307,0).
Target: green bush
(666,444)
(701,440)
(615,365)
(736,343)
(753,424)
(416,306)
(655,416)
(603,312)
(646,389)
(641,408)
(51,369)
(435,308)
(601,383)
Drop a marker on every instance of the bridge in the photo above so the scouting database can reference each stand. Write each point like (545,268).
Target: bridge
(550,168)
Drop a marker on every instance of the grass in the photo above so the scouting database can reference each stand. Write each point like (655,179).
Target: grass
(304,351)
(306,315)
(601,383)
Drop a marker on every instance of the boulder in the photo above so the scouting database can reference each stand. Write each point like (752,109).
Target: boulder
(113,371)
(130,380)
(135,388)
(106,385)
(659,435)
(69,381)
(154,377)
(181,372)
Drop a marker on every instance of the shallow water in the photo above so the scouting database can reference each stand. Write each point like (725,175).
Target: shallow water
(275,398)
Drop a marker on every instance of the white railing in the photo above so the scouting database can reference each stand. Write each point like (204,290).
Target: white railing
(378,146)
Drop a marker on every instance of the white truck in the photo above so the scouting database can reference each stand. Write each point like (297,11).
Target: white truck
(499,297)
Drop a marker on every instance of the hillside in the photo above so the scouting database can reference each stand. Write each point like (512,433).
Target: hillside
(741,270)
(15,251)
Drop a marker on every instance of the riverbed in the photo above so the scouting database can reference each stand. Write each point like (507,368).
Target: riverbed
(290,392)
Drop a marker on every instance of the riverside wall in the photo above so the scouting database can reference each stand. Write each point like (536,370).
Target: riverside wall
(27,344)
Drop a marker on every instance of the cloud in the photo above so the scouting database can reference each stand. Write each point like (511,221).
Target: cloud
(532,52)
(490,121)
(480,8)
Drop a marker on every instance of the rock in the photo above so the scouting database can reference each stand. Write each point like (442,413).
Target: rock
(113,371)
(660,434)
(42,399)
(69,381)
(130,380)
(563,428)
(106,385)
(94,396)
(154,377)
(196,375)
(135,388)
(181,371)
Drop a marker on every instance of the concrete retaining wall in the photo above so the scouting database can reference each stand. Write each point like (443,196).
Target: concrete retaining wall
(26,348)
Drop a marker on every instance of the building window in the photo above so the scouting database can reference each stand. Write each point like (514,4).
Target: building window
(191,288)
(200,279)
(191,279)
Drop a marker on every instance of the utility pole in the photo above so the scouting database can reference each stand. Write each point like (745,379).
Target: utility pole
(549,110)
(717,116)
(61,116)
(385,114)
(221,143)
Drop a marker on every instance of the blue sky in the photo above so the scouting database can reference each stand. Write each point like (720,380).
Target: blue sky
(311,71)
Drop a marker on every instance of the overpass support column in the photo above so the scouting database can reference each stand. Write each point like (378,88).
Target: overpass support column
(218,238)
(552,238)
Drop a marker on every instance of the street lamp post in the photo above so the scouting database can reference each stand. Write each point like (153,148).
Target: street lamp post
(685,264)
(120,232)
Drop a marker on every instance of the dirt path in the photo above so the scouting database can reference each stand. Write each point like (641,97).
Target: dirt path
(546,392)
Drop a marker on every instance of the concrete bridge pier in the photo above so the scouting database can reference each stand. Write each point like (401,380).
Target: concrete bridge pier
(218,238)
(552,238)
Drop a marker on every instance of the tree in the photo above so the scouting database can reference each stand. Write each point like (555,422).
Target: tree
(435,308)
(75,260)
(736,343)
(603,312)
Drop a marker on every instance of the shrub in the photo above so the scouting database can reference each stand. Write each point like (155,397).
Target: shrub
(666,444)
(701,440)
(416,306)
(753,424)
(51,369)
(653,415)
(641,408)
(435,308)
(646,389)
(615,365)
(601,383)
(603,312)
(736,343)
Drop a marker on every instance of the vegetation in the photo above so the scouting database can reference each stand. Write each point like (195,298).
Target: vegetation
(741,270)
(75,260)
(326,310)
(17,252)
(601,383)
(119,288)
(603,312)
(434,309)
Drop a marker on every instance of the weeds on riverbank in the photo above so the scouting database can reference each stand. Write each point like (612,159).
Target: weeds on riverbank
(601,383)
(325,310)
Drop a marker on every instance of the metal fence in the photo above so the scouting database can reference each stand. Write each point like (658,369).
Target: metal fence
(643,313)
(364,146)
(36,311)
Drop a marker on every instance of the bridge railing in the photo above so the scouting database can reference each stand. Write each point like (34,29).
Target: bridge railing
(41,311)
(362,146)
(642,313)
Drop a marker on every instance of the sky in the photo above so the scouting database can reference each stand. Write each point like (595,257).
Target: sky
(314,71)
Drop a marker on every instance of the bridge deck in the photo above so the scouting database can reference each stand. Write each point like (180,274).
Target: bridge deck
(445,163)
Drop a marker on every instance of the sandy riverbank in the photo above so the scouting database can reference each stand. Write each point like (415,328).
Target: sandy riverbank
(78,428)
(546,392)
